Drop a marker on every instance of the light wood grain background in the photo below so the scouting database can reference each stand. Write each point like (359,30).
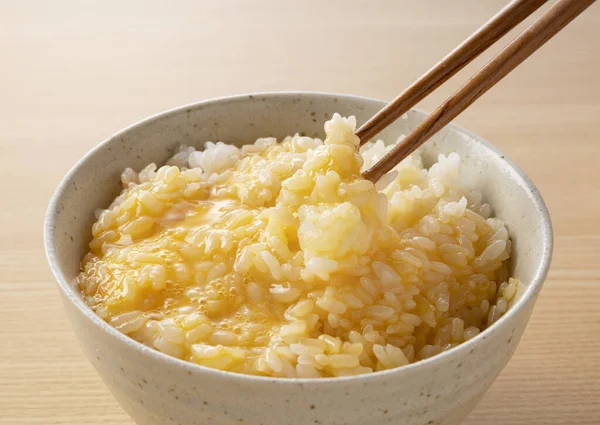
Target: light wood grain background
(72,73)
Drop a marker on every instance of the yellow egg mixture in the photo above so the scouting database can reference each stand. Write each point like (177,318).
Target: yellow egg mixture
(279,259)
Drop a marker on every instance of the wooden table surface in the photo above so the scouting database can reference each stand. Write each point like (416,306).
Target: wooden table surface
(72,73)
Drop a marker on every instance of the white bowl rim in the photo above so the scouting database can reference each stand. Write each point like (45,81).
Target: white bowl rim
(437,360)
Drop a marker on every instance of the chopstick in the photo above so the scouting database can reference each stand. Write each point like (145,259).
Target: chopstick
(513,14)
(542,30)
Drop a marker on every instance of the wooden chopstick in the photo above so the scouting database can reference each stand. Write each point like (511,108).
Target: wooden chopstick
(548,25)
(505,20)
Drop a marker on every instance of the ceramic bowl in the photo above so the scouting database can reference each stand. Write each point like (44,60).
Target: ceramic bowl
(156,389)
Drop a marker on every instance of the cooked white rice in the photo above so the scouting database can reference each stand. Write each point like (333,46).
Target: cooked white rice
(278,259)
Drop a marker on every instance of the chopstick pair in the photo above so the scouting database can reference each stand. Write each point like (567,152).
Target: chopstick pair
(548,25)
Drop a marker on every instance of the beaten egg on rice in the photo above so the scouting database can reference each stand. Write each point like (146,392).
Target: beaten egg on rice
(279,259)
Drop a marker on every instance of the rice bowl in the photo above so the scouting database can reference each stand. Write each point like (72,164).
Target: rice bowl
(158,389)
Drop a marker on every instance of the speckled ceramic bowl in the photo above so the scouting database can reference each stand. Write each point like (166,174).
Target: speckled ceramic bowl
(156,389)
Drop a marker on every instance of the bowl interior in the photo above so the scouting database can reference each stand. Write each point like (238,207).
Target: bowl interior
(95,180)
